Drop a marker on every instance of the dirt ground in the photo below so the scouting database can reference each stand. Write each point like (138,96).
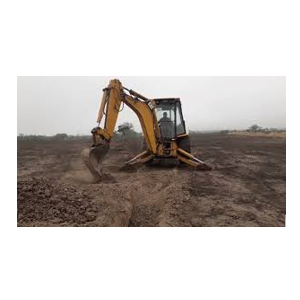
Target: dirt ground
(247,186)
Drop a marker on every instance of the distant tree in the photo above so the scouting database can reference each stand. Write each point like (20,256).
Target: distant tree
(225,131)
(255,128)
(266,130)
(125,128)
(61,136)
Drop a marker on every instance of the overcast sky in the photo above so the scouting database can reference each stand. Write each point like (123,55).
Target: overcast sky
(50,105)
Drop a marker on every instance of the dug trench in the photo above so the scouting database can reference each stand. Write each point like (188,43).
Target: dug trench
(245,188)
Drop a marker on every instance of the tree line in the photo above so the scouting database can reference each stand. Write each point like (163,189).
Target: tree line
(124,130)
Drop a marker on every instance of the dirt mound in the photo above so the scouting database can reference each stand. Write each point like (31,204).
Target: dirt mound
(43,202)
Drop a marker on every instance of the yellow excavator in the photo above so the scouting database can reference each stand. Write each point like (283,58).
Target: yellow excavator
(162,123)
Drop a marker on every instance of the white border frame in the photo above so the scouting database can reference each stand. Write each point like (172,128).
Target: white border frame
(115,72)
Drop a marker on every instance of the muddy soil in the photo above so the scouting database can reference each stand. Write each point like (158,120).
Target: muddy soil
(247,186)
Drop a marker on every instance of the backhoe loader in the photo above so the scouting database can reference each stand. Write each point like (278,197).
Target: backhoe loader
(162,123)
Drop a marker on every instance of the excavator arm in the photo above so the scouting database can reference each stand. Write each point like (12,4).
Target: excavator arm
(114,97)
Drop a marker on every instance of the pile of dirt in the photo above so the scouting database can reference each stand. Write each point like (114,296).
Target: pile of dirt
(42,202)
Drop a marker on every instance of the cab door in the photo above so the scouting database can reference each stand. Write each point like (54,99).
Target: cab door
(179,121)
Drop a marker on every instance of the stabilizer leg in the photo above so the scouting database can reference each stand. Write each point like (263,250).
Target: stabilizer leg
(137,161)
(191,160)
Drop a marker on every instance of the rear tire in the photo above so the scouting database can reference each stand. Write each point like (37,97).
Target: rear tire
(184,143)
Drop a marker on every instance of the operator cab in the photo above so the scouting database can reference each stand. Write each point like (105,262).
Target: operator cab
(169,117)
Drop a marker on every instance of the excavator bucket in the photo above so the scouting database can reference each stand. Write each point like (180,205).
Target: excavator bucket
(93,158)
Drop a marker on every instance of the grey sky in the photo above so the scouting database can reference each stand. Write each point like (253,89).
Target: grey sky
(50,105)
